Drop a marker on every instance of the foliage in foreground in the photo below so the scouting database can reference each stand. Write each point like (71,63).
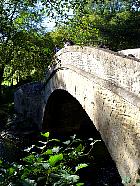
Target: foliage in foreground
(53,162)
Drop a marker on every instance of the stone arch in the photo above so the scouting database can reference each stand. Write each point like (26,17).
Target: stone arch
(63,113)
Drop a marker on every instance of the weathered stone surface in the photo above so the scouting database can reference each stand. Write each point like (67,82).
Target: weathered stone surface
(131,52)
(107,85)
(29,102)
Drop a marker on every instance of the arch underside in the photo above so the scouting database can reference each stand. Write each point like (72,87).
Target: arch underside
(63,113)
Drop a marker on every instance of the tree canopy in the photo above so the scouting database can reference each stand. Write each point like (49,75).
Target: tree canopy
(26,48)
(111,23)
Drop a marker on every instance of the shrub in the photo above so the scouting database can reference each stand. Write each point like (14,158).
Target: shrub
(51,162)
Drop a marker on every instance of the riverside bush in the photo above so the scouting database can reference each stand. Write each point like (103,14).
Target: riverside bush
(51,162)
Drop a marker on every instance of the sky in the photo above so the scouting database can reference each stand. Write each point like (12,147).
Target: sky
(49,23)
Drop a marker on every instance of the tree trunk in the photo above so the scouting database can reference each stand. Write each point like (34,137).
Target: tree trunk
(1,78)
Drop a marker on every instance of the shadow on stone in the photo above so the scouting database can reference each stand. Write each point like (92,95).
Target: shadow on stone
(64,116)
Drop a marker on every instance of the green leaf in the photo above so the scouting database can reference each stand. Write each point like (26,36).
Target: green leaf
(29,182)
(73,137)
(72,178)
(47,50)
(1,161)
(79,184)
(26,173)
(54,159)
(11,170)
(30,158)
(79,148)
(45,135)
(67,142)
(43,147)
(55,149)
(57,140)
(49,151)
(46,165)
(80,166)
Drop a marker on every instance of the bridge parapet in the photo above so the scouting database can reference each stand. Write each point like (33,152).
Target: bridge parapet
(135,52)
(118,69)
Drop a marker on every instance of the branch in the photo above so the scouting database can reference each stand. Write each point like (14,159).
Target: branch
(14,11)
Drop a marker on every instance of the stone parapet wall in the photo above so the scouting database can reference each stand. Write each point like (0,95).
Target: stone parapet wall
(135,52)
(113,67)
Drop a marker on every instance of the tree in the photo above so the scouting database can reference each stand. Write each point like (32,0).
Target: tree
(23,45)
(112,23)
(117,22)
(31,55)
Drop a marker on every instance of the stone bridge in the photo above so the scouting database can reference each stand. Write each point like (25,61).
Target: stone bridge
(106,85)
